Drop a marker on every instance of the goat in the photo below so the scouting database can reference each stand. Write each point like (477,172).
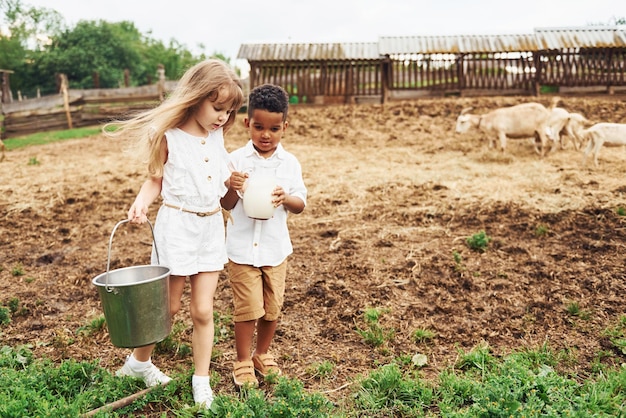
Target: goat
(519,121)
(574,128)
(556,125)
(609,134)
(563,123)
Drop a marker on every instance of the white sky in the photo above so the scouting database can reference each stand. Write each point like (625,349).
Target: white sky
(223,26)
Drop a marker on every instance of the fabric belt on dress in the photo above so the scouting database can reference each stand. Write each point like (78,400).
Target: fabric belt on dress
(201,214)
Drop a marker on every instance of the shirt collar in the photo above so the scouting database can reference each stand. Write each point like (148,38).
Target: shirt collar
(278,153)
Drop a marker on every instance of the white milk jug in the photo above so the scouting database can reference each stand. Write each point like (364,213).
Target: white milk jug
(257,195)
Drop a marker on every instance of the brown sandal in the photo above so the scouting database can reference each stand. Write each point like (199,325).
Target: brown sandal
(243,374)
(265,364)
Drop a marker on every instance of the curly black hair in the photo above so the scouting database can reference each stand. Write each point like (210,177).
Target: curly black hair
(268,97)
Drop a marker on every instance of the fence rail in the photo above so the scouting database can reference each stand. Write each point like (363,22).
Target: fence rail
(76,108)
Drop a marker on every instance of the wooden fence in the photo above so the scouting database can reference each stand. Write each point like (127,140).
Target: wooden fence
(410,76)
(77,108)
(402,77)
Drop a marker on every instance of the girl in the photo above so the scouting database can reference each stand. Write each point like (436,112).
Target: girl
(183,144)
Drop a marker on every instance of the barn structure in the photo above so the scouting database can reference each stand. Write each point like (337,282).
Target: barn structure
(588,59)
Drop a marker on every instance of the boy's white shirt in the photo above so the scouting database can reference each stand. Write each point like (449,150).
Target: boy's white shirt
(263,242)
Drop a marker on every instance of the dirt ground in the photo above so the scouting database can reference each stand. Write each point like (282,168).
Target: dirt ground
(393,195)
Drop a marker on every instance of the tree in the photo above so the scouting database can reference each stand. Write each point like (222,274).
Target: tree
(37,46)
(91,47)
(21,37)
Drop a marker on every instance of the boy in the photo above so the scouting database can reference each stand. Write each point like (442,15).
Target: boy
(258,249)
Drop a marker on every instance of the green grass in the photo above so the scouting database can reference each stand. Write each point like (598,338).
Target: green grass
(47,137)
(526,383)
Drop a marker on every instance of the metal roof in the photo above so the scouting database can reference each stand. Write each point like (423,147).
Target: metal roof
(584,37)
(391,45)
(541,39)
(309,52)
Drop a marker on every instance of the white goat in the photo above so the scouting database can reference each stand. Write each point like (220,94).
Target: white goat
(574,128)
(563,123)
(556,124)
(524,120)
(609,134)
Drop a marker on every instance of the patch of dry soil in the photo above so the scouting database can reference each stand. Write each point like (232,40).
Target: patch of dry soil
(393,196)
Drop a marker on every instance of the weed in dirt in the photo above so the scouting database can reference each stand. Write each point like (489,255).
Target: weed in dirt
(479,241)
(173,343)
(423,335)
(321,369)
(5,316)
(33,161)
(94,327)
(621,211)
(617,335)
(373,333)
(458,261)
(541,230)
(574,309)
(17,270)
(14,304)
(223,326)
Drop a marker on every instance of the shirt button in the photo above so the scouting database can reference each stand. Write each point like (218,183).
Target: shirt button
(206,159)
(256,244)
(208,178)
(203,142)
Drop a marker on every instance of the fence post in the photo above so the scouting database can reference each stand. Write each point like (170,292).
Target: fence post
(66,99)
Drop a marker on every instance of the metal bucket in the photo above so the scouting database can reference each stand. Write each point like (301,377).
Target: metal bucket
(135,301)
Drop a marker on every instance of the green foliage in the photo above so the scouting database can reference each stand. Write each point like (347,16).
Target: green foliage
(458,261)
(17,270)
(574,309)
(96,326)
(321,369)
(289,399)
(5,316)
(478,241)
(373,333)
(30,387)
(28,27)
(617,335)
(621,211)
(525,383)
(478,359)
(385,392)
(541,230)
(41,46)
(423,335)
(223,327)
(174,343)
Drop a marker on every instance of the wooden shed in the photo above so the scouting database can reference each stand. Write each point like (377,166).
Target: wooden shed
(317,73)
(554,60)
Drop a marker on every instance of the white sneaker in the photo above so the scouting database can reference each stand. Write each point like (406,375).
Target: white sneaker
(152,376)
(203,394)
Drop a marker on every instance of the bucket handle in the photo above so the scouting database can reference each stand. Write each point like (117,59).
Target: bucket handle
(110,289)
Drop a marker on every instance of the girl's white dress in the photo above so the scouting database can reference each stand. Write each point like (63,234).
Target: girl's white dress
(193,179)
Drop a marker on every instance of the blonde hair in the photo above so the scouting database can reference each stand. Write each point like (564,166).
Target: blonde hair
(210,79)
